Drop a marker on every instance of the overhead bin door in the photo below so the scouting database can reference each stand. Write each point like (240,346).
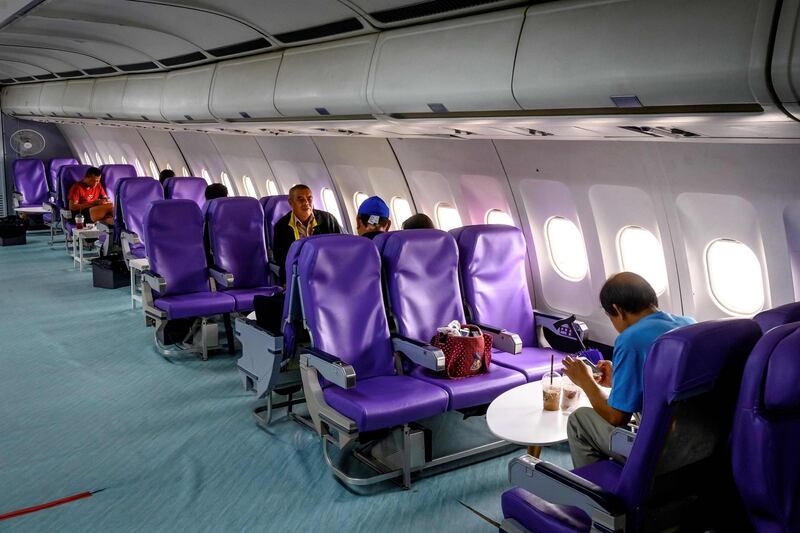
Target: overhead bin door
(244,88)
(786,58)
(325,79)
(185,96)
(459,65)
(678,53)
(142,98)
(107,97)
(21,100)
(78,98)
(51,100)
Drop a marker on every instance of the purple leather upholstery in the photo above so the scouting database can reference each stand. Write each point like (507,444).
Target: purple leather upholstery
(421,276)
(335,271)
(53,167)
(766,432)
(134,197)
(173,236)
(778,316)
(110,175)
(30,180)
(186,188)
(275,207)
(236,240)
(683,364)
(69,175)
(495,287)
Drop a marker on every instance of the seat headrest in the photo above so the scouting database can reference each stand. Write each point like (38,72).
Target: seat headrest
(778,316)
(186,188)
(67,176)
(275,208)
(773,372)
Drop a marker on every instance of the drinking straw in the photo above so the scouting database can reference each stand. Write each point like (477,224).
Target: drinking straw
(551,369)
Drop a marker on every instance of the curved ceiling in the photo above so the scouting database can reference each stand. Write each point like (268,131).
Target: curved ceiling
(49,39)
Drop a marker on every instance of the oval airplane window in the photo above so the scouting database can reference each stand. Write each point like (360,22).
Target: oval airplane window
(110,160)
(98,158)
(124,161)
(205,175)
(447,217)
(185,171)
(330,204)
(735,277)
(139,169)
(566,248)
(401,210)
(272,188)
(498,216)
(86,159)
(226,180)
(248,186)
(153,170)
(358,199)
(640,252)
(168,167)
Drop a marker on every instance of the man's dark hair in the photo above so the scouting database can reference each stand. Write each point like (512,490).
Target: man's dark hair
(216,190)
(165,174)
(297,188)
(628,291)
(93,171)
(418,221)
(365,220)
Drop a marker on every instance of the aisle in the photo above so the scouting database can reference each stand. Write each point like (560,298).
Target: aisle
(86,403)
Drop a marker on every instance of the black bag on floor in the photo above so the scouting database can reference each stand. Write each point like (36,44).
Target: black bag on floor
(110,272)
(13,230)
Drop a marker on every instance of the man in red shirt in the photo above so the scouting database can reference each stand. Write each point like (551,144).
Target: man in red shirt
(88,198)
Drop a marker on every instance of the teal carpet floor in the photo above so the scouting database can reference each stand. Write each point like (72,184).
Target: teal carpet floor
(87,403)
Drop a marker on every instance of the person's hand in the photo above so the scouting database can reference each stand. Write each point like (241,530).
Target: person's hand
(97,202)
(577,371)
(606,370)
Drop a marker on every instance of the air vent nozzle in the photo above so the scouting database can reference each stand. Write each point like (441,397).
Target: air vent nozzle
(661,131)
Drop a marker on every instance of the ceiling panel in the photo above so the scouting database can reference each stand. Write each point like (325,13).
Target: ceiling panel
(104,51)
(52,60)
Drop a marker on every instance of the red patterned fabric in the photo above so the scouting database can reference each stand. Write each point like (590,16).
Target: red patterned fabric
(465,356)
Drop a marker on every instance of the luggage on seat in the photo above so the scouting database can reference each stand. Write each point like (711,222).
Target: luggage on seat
(110,272)
(13,231)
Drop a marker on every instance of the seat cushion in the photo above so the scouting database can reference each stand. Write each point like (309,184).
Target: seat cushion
(475,390)
(533,362)
(138,251)
(196,304)
(386,401)
(244,297)
(536,514)
(603,473)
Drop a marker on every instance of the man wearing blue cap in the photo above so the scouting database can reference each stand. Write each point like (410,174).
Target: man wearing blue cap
(373,217)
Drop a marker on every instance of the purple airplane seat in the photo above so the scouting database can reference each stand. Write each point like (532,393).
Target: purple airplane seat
(778,316)
(134,196)
(275,208)
(766,432)
(421,277)
(177,283)
(495,289)
(110,176)
(186,188)
(679,455)
(30,183)
(236,241)
(53,168)
(68,176)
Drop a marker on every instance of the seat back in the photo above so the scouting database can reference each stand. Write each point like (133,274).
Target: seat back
(173,237)
(111,174)
(236,239)
(778,316)
(53,167)
(30,180)
(68,176)
(493,278)
(766,432)
(421,275)
(275,208)
(340,289)
(691,381)
(186,188)
(134,196)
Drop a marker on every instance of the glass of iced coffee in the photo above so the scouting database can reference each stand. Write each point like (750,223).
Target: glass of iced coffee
(570,394)
(551,391)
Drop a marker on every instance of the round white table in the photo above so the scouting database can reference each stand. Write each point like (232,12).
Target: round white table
(518,416)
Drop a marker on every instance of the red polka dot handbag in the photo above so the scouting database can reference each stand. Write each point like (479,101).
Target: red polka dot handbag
(465,356)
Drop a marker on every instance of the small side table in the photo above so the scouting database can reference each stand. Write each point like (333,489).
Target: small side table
(136,267)
(79,238)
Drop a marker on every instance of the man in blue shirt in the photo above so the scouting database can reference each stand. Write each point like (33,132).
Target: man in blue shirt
(632,306)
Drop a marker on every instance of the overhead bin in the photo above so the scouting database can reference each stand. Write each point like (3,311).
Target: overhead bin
(633,53)
(21,100)
(186,94)
(459,65)
(51,101)
(786,58)
(107,98)
(77,98)
(142,98)
(325,79)
(244,88)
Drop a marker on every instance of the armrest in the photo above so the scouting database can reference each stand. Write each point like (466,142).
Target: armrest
(130,237)
(503,340)
(223,278)
(332,368)
(561,487)
(420,353)
(103,227)
(156,282)
(66,214)
(567,332)
(16,195)
(622,440)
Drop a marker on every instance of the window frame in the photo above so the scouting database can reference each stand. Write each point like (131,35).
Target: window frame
(494,210)
(621,255)
(446,205)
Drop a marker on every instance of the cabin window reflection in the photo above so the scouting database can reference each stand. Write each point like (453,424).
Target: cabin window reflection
(272,188)
(498,216)
(566,248)
(86,159)
(184,171)
(226,180)
(248,187)
(640,252)
(110,160)
(153,169)
(447,217)
(204,173)
(139,169)
(735,277)
(401,210)
(98,159)
(330,204)
(124,161)
(358,199)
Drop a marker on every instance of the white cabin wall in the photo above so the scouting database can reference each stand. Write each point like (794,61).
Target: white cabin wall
(243,156)
(125,145)
(165,152)
(202,156)
(81,143)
